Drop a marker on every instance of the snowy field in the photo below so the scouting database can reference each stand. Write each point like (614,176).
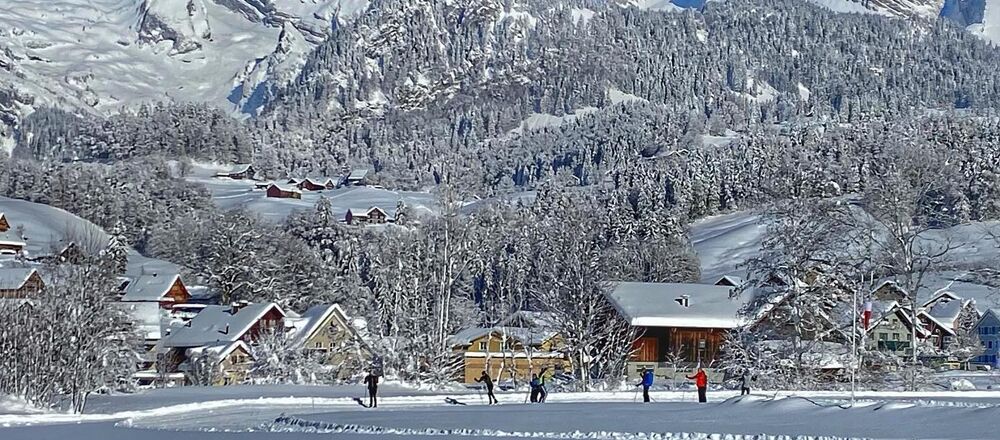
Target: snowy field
(303,412)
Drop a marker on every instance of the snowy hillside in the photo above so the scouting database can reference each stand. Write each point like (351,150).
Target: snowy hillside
(47,230)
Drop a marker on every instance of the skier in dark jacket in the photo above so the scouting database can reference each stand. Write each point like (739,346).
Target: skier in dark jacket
(372,381)
(536,388)
(543,381)
(745,382)
(647,381)
(486,379)
(701,381)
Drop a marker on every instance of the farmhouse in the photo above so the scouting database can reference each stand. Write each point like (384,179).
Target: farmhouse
(19,283)
(165,290)
(238,322)
(218,363)
(683,325)
(891,329)
(278,192)
(316,184)
(326,329)
(358,177)
(11,244)
(947,316)
(508,352)
(239,172)
(370,216)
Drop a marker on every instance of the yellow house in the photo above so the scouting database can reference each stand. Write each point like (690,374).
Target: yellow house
(229,363)
(509,352)
(326,330)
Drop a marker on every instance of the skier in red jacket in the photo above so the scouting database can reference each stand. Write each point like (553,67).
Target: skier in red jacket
(701,381)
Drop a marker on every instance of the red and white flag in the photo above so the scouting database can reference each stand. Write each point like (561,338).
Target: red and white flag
(866,318)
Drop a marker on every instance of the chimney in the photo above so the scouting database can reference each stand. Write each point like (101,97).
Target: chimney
(235,307)
(684,300)
(226,330)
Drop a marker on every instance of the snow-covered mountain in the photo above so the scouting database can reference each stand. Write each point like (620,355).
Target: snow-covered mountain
(96,55)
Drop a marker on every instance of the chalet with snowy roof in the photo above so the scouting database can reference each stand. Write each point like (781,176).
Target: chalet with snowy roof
(988,331)
(686,322)
(70,253)
(370,216)
(237,322)
(218,363)
(239,172)
(316,184)
(358,177)
(326,329)
(20,283)
(277,192)
(521,344)
(890,330)
(11,244)
(730,281)
(4,225)
(163,289)
(946,316)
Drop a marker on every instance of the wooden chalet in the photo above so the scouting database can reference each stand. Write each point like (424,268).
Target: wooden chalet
(20,283)
(357,177)
(163,289)
(370,216)
(316,184)
(327,330)
(512,350)
(947,316)
(231,362)
(11,244)
(682,325)
(277,192)
(239,172)
(216,328)
(4,225)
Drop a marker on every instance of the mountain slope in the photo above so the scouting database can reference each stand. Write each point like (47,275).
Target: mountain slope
(97,55)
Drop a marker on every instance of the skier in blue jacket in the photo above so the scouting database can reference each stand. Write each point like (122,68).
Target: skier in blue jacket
(647,381)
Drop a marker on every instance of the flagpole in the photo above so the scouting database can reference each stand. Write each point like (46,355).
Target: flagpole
(854,338)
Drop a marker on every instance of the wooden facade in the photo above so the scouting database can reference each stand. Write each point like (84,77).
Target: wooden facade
(30,287)
(241,173)
(178,294)
(11,246)
(685,346)
(4,225)
(373,216)
(316,185)
(274,191)
(509,358)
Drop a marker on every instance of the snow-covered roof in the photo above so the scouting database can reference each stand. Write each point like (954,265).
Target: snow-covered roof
(150,287)
(10,239)
(238,168)
(730,280)
(358,174)
(14,278)
(309,322)
(528,318)
(218,323)
(220,350)
(358,212)
(284,188)
(660,305)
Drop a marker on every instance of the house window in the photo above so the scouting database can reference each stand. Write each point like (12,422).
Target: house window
(909,337)
(482,346)
(319,344)
(895,336)
(883,336)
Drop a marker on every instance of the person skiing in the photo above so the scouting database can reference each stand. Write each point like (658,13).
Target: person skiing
(647,381)
(745,382)
(536,388)
(701,381)
(372,381)
(543,380)
(486,379)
